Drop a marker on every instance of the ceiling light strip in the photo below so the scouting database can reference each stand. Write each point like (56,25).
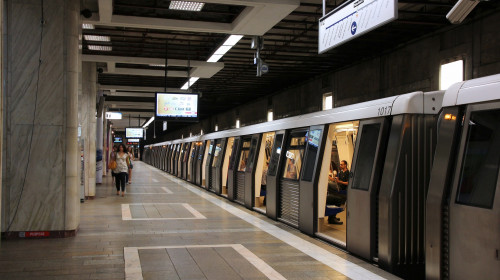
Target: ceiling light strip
(186,6)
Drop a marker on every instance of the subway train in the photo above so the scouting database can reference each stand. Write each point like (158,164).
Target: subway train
(406,182)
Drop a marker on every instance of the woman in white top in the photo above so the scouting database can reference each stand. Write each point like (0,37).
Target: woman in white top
(122,164)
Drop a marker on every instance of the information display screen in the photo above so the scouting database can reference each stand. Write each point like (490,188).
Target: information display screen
(118,140)
(133,140)
(132,132)
(176,106)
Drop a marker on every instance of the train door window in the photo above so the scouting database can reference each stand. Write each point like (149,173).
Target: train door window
(232,159)
(245,150)
(216,153)
(479,172)
(262,170)
(225,164)
(275,156)
(366,156)
(313,140)
(294,155)
(253,150)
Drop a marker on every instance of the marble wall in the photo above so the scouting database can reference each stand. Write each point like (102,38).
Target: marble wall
(88,123)
(40,183)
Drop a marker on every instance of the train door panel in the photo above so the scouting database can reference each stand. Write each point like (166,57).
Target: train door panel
(233,166)
(261,169)
(475,199)
(199,164)
(208,166)
(217,164)
(185,164)
(250,170)
(273,176)
(309,178)
(289,187)
(241,167)
(179,160)
(363,187)
(225,165)
(204,178)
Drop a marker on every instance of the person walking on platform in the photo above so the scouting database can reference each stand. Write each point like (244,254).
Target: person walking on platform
(122,167)
(112,163)
(131,157)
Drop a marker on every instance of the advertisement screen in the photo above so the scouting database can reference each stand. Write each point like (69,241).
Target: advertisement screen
(176,106)
(133,140)
(118,140)
(133,132)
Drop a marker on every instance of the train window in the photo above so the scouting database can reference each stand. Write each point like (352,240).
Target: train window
(216,154)
(232,159)
(253,149)
(366,156)
(275,156)
(312,152)
(479,174)
(244,156)
(294,155)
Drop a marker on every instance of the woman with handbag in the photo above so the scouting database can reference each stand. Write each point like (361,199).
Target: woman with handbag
(131,158)
(112,163)
(122,166)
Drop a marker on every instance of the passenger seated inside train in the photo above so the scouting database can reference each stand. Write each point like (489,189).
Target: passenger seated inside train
(337,186)
(291,170)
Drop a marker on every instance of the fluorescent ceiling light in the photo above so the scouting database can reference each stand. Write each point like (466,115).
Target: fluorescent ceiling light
(215,58)
(225,47)
(88,26)
(100,48)
(222,50)
(97,38)
(190,83)
(460,11)
(232,40)
(186,6)
(150,121)
(157,65)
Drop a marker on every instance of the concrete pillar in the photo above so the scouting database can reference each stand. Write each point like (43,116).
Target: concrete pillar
(100,153)
(1,106)
(88,122)
(41,184)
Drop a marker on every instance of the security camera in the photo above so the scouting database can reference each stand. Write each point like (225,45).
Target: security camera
(100,70)
(86,13)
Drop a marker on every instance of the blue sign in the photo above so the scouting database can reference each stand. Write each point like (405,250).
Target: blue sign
(354,26)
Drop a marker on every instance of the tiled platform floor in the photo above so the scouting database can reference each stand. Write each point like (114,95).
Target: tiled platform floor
(177,231)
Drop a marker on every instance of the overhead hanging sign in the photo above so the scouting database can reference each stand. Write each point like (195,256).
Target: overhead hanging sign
(113,116)
(353,19)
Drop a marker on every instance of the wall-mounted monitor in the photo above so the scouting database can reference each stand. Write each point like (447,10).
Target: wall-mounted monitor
(134,132)
(133,140)
(118,140)
(176,107)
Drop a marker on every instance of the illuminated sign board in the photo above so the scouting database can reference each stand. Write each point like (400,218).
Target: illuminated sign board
(113,116)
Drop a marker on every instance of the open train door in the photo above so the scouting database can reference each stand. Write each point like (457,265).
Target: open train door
(273,174)
(250,170)
(233,166)
(363,188)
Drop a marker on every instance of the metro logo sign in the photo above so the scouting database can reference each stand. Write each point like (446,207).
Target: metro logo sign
(25,234)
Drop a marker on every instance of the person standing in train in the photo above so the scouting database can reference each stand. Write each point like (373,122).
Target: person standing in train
(263,184)
(342,179)
(122,166)
(131,165)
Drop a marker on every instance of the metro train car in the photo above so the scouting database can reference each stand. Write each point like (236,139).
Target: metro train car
(362,177)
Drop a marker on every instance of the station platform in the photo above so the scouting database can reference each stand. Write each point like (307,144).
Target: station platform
(165,228)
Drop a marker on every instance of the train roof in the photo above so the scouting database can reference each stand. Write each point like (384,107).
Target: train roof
(473,91)
(410,103)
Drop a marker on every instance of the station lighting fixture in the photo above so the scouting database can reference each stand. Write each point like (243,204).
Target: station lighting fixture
(216,127)
(157,65)
(461,9)
(88,26)
(201,132)
(270,115)
(186,6)
(237,123)
(190,83)
(100,48)
(225,47)
(150,121)
(451,73)
(98,38)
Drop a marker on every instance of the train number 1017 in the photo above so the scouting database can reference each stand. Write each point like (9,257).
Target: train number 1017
(384,111)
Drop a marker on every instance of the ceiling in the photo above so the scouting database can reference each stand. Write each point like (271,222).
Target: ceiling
(144,32)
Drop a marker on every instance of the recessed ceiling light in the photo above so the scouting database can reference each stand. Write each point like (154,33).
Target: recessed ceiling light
(100,48)
(186,6)
(97,38)
(190,83)
(88,26)
(157,65)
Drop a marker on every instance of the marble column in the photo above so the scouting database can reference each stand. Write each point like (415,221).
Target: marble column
(88,122)
(40,183)
(100,153)
(1,106)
